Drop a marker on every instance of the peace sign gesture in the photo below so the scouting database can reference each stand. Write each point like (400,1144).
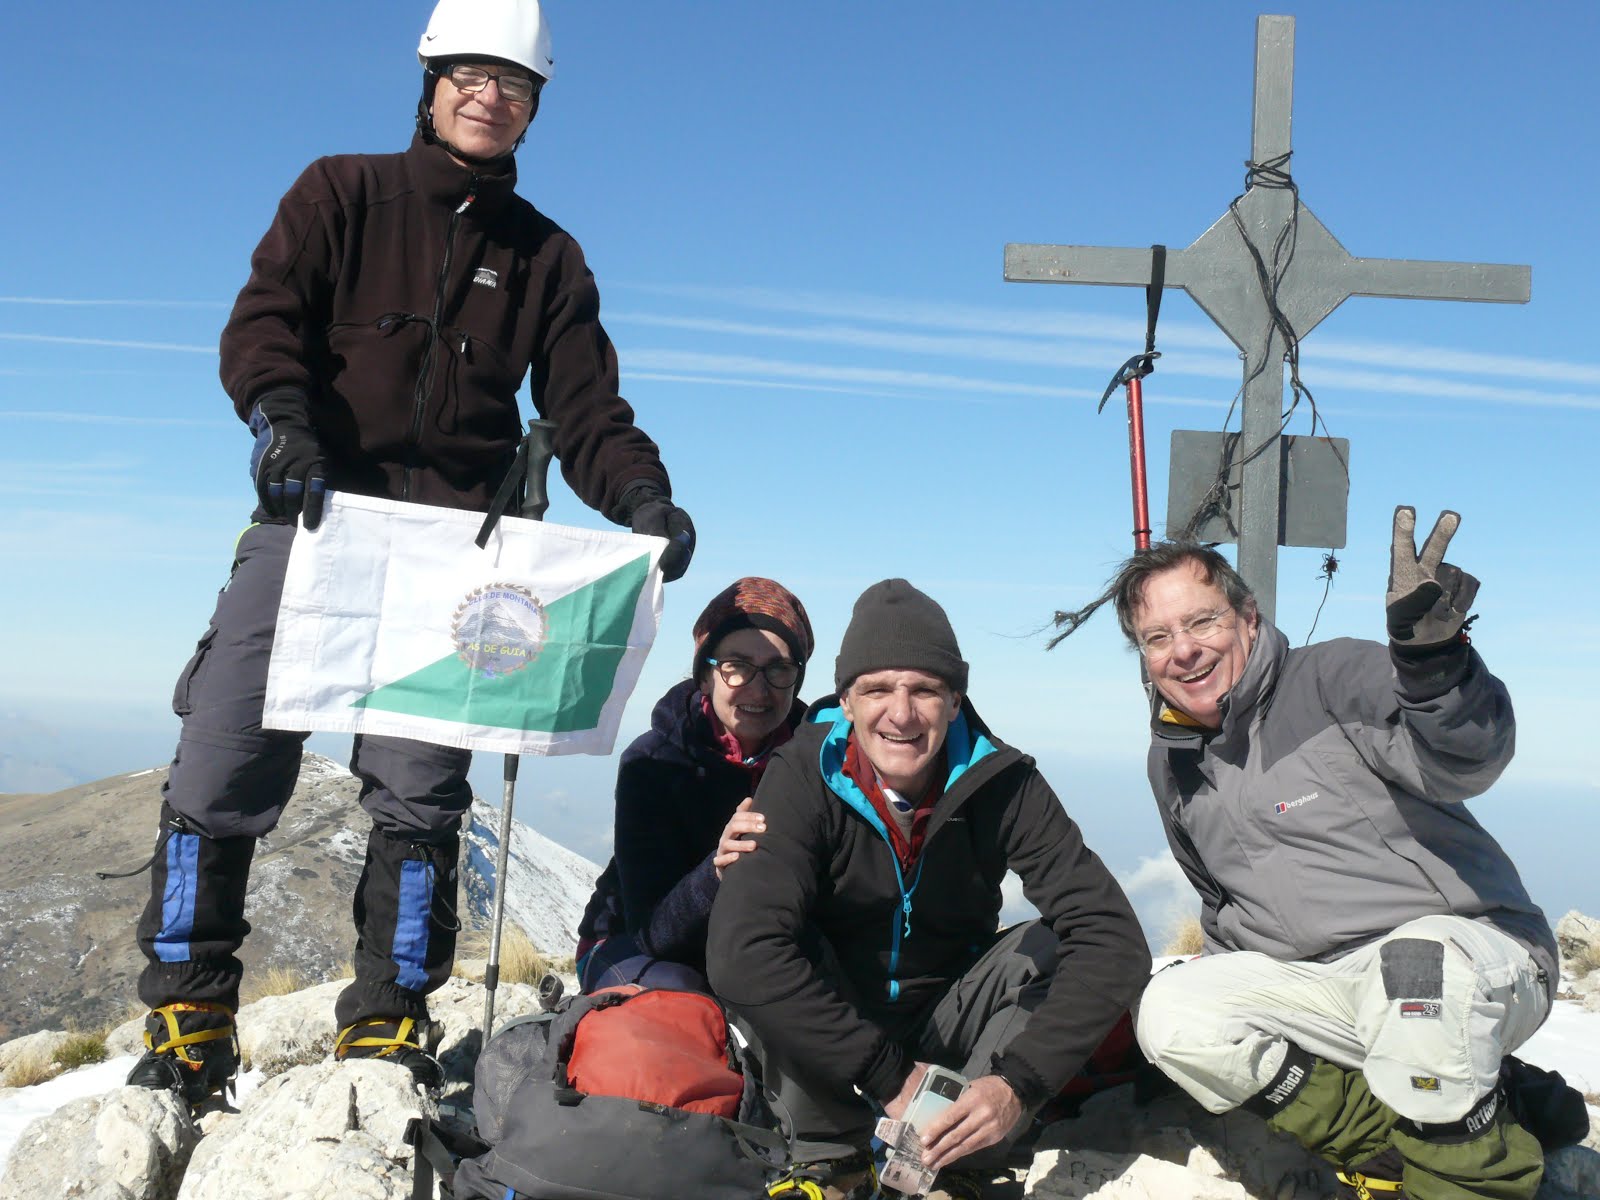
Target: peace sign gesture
(1428,598)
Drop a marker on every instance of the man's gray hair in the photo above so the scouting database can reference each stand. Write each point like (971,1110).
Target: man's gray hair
(1127,587)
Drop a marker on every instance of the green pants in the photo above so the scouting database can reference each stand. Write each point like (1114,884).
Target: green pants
(1486,1156)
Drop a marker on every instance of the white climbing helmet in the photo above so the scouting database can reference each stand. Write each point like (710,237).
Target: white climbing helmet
(513,30)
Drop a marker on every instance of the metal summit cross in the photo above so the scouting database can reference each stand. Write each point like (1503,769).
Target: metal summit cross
(1222,276)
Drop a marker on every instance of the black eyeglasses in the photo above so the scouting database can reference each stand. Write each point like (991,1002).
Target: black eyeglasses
(781,674)
(517,89)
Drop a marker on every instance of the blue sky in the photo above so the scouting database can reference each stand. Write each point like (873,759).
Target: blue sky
(797,215)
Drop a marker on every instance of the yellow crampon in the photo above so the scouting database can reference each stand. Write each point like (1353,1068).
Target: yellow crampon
(1366,1187)
(796,1188)
(393,1038)
(813,1181)
(177,1041)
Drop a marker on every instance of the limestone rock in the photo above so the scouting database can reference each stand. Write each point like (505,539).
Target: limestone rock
(128,1144)
(1578,939)
(35,1049)
(127,1038)
(1171,1149)
(292,1030)
(327,1131)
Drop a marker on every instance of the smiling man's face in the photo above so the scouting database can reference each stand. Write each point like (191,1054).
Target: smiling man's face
(901,719)
(1193,671)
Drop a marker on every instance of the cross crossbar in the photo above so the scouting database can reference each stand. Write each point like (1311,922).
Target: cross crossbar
(1218,271)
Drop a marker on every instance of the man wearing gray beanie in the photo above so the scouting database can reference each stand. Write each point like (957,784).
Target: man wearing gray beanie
(857,943)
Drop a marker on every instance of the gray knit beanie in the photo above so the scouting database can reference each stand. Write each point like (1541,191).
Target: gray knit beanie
(897,628)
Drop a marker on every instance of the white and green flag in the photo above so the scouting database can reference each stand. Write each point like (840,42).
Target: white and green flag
(394,622)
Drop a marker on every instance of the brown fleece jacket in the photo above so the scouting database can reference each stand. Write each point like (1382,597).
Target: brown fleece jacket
(404,297)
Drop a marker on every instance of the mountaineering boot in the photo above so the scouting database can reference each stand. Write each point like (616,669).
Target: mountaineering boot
(190,1049)
(1484,1156)
(1327,1109)
(1376,1179)
(394,1039)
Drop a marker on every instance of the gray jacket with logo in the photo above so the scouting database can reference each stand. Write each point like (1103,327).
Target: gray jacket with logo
(1327,809)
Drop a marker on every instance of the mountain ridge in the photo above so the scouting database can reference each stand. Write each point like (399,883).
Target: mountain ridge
(70,958)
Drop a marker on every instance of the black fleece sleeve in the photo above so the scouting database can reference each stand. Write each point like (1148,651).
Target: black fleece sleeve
(574,380)
(283,305)
(1104,961)
(753,954)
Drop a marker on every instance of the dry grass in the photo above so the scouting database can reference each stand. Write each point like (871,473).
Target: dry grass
(1583,962)
(1185,938)
(275,981)
(80,1049)
(27,1069)
(520,961)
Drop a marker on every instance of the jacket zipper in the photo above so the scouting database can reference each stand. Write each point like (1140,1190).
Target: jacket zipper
(430,355)
(902,918)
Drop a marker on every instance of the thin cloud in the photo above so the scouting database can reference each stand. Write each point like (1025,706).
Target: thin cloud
(67,302)
(82,418)
(1015,352)
(1081,326)
(990,349)
(747,365)
(732,381)
(112,343)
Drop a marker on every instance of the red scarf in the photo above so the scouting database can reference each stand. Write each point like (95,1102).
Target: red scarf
(859,769)
(734,753)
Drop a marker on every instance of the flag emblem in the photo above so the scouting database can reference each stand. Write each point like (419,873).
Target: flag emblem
(498,629)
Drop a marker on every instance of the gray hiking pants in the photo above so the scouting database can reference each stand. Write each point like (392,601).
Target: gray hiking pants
(228,784)
(979,1014)
(1425,1013)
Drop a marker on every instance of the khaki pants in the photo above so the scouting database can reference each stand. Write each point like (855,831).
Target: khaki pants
(1426,1014)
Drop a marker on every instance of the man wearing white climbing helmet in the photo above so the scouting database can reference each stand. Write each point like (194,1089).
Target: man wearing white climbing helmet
(393,309)
(486,61)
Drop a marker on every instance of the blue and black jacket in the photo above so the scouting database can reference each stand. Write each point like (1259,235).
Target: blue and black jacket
(825,868)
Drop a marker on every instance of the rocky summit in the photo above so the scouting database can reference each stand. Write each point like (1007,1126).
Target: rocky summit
(312,1129)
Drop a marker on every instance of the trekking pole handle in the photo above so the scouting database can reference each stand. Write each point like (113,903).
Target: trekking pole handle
(541,449)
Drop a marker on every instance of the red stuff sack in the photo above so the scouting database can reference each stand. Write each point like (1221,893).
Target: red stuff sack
(658,1046)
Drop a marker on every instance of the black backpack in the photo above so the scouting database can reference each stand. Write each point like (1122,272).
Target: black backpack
(543,1137)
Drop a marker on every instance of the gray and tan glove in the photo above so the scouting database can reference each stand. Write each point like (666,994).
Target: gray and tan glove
(1428,598)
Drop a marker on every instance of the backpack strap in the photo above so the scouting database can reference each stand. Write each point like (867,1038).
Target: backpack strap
(437,1150)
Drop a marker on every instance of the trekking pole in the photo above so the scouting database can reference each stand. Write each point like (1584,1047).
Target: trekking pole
(538,451)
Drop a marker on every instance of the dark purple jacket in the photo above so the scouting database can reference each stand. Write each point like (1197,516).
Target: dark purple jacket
(675,793)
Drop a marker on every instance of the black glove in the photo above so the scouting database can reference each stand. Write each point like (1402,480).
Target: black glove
(287,460)
(646,509)
(1428,598)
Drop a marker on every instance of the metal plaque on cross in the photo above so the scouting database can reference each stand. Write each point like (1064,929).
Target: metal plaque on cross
(1222,272)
